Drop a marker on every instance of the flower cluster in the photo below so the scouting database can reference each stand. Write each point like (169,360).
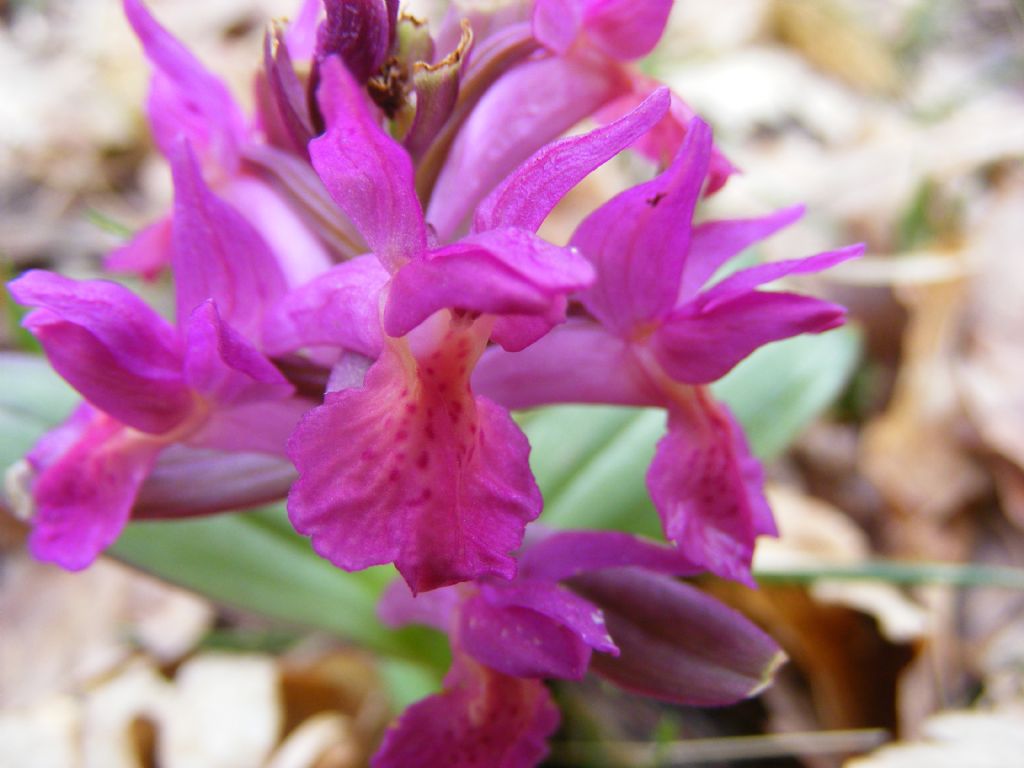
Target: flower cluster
(361,296)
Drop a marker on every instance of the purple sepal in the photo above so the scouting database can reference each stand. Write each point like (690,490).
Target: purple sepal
(224,368)
(301,34)
(482,719)
(339,308)
(185,99)
(110,346)
(367,173)
(217,254)
(713,243)
(531,105)
(83,495)
(698,347)
(147,254)
(281,98)
(636,241)
(358,31)
(625,29)
(530,193)
(677,643)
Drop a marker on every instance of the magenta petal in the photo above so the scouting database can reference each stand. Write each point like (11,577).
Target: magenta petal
(625,29)
(500,272)
(701,347)
(708,489)
(412,469)
(713,243)
(677,643)
(217,254)
(562,555)
(530,628)
(662,142)
(298,253)
(521,642)
(578,362)
(110,346)
(340,308)
(482,719)
(225,368)
(748,279)
(84,497)
(256,427)
(398,606)
(147,254)
(367,173)
(637,240)
(529,194)
(185,99)
(531,105)
(557,23)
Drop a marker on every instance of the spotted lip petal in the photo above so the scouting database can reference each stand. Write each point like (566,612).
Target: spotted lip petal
(428,477)
(482,719)
(83,497)
(708,488)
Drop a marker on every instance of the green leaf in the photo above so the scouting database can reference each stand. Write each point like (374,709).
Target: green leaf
(591,461)
(255,561)
(32,400)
